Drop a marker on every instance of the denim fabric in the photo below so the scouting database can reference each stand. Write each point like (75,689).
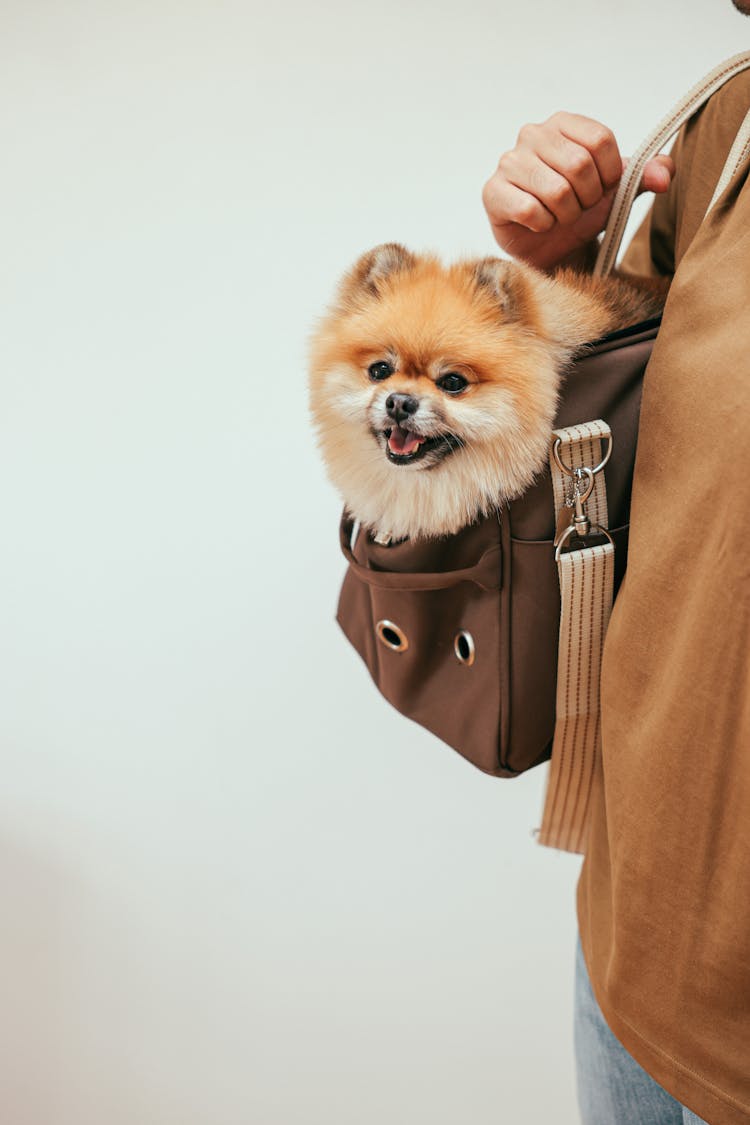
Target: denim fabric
(612,1088)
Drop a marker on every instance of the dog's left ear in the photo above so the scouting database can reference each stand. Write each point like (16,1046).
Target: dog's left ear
(505,282)
(375,267)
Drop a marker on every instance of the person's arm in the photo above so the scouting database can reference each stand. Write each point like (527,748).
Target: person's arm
(552,193)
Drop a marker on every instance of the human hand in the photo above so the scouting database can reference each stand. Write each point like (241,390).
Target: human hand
(551,195)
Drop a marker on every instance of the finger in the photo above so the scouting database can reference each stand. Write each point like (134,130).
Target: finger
(658,174)
(527,172)
(596,138)
(571,160)
(505,203)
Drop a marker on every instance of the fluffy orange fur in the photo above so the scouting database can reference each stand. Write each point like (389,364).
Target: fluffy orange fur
(433,389)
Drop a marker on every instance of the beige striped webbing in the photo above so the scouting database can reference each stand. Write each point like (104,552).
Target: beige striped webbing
(586,584)
(627,189)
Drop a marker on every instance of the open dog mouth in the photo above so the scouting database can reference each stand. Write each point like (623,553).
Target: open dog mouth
(403,447)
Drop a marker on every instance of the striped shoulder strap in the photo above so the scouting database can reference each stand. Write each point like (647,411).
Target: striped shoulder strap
(586,573)
(664,131)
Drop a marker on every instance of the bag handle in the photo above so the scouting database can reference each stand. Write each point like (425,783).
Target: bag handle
(737,155)
(486,573)
(664,131)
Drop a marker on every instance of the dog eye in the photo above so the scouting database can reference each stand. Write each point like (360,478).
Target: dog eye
(380,370)
(452,383)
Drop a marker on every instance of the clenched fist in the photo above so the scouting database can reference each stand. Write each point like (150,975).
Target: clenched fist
(551,195)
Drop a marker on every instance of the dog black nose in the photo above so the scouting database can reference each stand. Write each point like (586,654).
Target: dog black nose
(399,407)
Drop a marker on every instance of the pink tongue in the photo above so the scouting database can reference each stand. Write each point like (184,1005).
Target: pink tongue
(403,442)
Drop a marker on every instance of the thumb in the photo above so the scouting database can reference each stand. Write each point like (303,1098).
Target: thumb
(657,175)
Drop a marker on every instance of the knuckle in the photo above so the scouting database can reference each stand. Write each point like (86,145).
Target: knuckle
(601,139)
(579,163)
(488,194)
(544,221)
(527,212)
(560,193)
(527,134)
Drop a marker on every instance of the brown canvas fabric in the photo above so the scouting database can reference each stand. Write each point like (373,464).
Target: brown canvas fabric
(495,581)
(664,893)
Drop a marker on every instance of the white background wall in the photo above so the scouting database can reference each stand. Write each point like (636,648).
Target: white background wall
(235,887)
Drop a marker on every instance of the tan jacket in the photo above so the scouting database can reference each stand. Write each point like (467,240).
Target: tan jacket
(664,894)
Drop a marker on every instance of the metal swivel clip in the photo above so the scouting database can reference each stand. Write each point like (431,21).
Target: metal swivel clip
(573,518)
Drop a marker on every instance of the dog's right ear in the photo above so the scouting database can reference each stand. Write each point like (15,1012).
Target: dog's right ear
(506,283)
(366,277)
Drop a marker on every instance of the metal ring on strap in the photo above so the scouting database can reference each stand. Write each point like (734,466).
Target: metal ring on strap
(572,472)
(594,529)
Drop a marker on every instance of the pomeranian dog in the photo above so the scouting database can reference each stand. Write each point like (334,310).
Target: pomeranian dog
(433,389)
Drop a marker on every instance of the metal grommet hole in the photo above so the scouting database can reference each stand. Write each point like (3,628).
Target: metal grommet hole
(463,646)
(391,636)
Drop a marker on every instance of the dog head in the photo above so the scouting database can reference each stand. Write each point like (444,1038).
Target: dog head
(433,388)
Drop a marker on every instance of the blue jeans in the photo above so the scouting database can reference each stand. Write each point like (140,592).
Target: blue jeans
(612,1088)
